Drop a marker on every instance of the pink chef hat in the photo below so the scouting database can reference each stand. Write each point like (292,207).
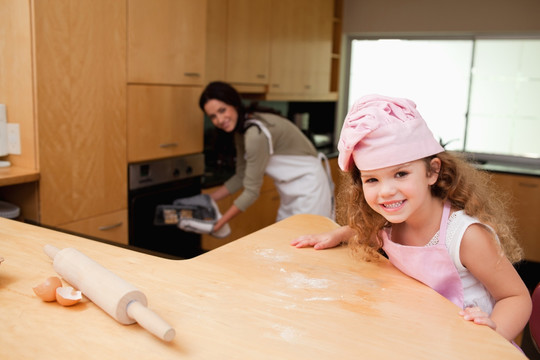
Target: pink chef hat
(381,131)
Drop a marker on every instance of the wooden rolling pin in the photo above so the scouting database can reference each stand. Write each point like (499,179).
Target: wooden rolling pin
(115,296)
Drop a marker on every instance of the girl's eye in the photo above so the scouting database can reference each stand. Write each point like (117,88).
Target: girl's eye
(401,174)
(369,180)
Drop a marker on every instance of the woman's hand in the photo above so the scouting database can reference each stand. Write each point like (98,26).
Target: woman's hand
(474,314)
(218,225)
(229,214)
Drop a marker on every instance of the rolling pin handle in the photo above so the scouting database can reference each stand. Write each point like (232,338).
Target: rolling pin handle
(51,250)
(150,321)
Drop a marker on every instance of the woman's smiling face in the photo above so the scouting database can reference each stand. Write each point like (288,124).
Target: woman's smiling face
(222,115)
(398,192)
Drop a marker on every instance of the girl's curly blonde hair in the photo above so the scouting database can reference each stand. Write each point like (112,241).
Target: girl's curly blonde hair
(466,188)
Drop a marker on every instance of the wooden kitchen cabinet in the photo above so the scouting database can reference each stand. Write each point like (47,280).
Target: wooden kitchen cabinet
(248,35)
(18,183)
(525,207)
(80,89)
(259,215)
(292,40)
(216,40)
(336,46)
(301,48)
(238,42)
(164,121)
(166,41)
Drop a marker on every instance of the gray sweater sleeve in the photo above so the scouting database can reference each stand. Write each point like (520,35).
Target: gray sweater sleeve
(250,167)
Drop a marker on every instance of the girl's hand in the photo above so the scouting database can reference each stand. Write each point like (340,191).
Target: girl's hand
(477,316)
(318,241)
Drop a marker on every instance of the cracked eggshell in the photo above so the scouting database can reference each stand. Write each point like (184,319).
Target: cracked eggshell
(47,289)
(68,296)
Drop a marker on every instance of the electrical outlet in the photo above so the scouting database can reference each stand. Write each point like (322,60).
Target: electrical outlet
(14,139)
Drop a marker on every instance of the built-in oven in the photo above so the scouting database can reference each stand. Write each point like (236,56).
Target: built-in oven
(160,182)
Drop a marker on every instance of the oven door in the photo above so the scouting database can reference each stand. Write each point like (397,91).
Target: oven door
(161,182)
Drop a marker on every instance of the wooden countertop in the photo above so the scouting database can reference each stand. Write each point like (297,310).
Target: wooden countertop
(254,298)
(13,175)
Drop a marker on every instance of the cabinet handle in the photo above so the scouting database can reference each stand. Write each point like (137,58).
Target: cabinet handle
(261,76)
(528,185)
(109,227)
(307,87)
(192,74)
(168,145)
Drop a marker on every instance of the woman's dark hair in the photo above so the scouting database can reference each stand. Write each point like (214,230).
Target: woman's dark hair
(222,91)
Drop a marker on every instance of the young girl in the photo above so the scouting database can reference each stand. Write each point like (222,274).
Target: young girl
(432,214)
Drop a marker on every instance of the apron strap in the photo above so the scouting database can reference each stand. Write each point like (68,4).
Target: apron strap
(322,157)
(444,223)
(326,165)
(265,131)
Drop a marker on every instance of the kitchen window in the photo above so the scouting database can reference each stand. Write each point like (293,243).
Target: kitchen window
(477,95)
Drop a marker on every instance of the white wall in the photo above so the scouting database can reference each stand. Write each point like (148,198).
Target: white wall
(437,16)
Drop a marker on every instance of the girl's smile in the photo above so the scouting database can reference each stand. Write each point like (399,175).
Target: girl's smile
(394,205)
(398,192)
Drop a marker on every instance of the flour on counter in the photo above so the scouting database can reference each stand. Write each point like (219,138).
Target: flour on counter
(298,280)
(273,255)
(288,333)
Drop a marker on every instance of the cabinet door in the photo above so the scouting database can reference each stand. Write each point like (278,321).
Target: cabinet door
(301,46)
(286,53)
(216,40)
(248,35)
(525,207)
(164,121)
(317,45)
(80,67)
(166,41)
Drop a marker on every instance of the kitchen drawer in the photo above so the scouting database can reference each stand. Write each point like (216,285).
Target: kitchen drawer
(112,227)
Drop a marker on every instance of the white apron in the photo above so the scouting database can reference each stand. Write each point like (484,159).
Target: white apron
(303,184)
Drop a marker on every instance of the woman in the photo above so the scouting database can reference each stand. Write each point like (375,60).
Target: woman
(267,144)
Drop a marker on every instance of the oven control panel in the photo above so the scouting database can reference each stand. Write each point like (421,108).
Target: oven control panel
(154,172)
